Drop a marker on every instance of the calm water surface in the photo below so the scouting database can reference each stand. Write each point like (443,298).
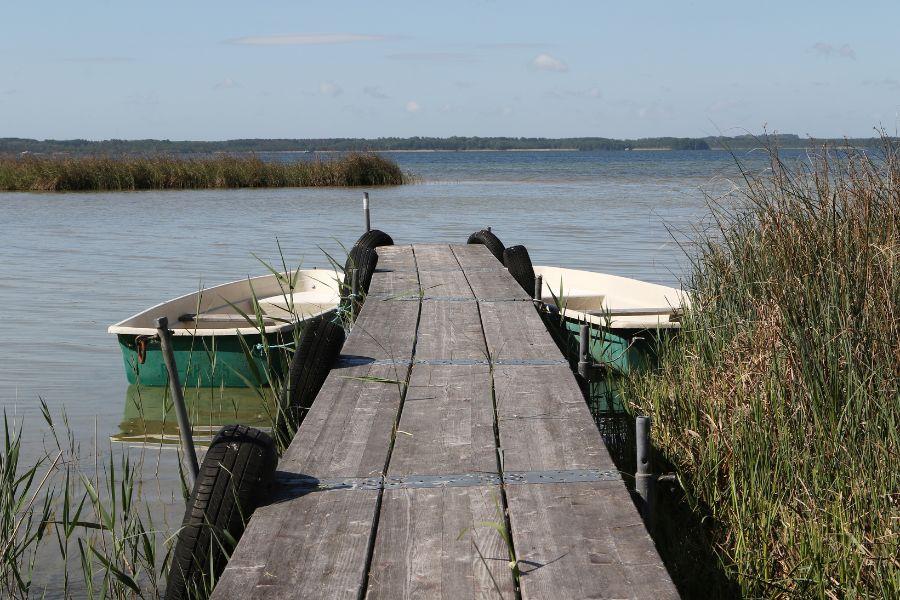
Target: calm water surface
(71,264)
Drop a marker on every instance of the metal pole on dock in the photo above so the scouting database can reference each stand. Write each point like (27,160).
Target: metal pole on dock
(184,426)
(584,351)
(366,210)
(643,475)
(538,288)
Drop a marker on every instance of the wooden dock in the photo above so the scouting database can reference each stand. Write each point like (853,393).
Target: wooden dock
(451,408)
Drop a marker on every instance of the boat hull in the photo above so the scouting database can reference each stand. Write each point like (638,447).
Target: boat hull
(624,351)
(204,361)
(218,333)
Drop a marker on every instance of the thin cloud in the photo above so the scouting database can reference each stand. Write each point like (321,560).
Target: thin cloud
(725,105)
(433,56)
(890,83)
(306,39)
(375,92)
(329,88)
(653,111)
(499,111)
(830,50)
(226,84)
(142,99)
(413,107)
(99,60)
(593,92)
(545,62)
(515,45)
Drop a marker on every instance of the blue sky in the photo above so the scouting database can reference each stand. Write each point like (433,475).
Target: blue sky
(219,70)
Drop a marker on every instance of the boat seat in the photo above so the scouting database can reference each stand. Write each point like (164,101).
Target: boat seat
(303,303)
(581,300)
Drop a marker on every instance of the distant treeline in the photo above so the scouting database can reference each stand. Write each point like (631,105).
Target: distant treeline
(458,143)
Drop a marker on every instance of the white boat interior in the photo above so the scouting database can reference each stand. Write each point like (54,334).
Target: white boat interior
(612,301)
(217,310)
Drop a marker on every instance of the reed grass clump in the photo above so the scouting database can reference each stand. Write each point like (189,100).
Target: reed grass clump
(101,173)
(779,402)
(73,528)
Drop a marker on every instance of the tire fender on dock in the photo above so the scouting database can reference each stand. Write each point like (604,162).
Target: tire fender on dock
(320,345)
(234,479)
(518,263)
(493,243)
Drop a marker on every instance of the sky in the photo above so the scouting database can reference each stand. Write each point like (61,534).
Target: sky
(224,69)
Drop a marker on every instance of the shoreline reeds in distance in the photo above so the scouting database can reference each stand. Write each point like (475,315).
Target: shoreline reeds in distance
(168,172)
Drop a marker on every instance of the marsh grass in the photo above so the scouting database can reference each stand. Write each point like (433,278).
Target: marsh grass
(86,520)
(778,404)
(103,173)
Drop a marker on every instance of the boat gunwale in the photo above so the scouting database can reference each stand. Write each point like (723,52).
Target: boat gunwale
(648,322)
(120,329)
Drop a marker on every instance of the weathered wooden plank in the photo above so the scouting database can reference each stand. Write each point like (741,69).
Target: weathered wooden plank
(475,256)
(445,284)
(311,546)
(583,540)
(316,544)
(514,330)
(543,421)
(426,545)
(347,432)
(385,329)
(450,330)
(394,284)
(395,258)
(447,425)
(435,257)
(495,285)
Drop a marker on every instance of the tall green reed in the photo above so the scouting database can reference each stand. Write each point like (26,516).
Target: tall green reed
(102,173)
(106,543)
(778,403)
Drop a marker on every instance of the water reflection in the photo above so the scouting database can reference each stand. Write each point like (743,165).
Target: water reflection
(149,415)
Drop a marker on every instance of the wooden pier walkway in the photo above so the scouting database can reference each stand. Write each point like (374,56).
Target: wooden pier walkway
(451,406)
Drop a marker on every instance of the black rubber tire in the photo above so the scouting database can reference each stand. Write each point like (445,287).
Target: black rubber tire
(363,259)
(320,345)
(374,239)
(518,263)
(490,240)
(233,480)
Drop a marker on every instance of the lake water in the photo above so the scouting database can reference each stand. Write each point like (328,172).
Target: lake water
(71,264)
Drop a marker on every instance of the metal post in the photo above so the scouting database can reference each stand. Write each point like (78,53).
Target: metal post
(643,476)
(366,210)
(184,426)
(584,351)
(538,288)
(354,292)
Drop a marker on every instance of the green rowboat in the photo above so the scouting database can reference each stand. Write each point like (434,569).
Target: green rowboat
(220,334)
(627,316)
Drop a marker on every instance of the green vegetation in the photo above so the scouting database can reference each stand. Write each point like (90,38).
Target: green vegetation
(86,525)
(779,402)
(101,173)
